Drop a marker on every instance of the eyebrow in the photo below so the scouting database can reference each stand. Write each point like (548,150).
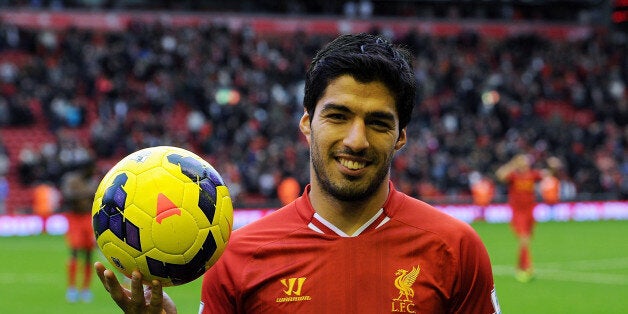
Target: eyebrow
(373,114)
(334,107)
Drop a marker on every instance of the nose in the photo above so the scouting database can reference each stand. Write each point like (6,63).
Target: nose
(356,138)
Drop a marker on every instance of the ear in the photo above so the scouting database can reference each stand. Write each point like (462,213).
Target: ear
(304,125)
(401,141)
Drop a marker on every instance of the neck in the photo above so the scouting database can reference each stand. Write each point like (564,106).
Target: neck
(347,216)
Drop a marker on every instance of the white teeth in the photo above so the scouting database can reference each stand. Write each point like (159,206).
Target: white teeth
(353,165)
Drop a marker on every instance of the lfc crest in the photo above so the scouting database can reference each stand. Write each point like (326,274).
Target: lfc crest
(404,303)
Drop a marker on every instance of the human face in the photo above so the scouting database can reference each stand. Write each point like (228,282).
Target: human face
(353,137)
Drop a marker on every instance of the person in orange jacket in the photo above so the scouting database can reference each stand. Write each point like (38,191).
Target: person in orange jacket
(549,187)
(482,191)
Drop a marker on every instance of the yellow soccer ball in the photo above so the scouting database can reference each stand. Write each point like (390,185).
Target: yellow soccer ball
(164,211)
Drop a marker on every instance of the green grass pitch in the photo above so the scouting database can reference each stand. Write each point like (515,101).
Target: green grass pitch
(33,280)
(581,267)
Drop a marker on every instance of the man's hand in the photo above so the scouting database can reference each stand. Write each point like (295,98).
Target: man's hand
(137,300)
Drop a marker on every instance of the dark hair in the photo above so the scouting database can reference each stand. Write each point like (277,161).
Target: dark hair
(367,58)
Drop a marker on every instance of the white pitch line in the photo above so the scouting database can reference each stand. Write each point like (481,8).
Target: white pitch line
(579,276)
(601,264)
(557,271)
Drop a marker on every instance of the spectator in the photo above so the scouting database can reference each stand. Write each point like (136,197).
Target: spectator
(288,190)
(481,98)
(28,164)
(4,193)
(46,199)
(482,191)
(5,163)
(549,187)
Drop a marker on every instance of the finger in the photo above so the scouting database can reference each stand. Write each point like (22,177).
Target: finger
(115,289)
(157,297)
(137,290)
(100,269)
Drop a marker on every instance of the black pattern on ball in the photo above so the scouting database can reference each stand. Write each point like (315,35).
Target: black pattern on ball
(205,177)
(111,214)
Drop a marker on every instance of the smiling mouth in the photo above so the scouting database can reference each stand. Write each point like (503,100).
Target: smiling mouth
(351,164)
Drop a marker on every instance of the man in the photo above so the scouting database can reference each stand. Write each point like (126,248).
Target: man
(77,189)
(351,243)
(521,180)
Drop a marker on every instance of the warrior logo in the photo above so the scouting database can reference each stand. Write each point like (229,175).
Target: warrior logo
(293,290)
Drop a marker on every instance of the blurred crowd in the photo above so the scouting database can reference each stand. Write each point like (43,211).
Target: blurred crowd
(584,11)
(481,101)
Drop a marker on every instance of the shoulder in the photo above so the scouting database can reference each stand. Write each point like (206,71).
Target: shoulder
(460,243)
(247,244)
(270,228)
(247,250)
(424,217)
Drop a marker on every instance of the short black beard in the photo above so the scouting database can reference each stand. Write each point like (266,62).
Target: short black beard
(347,194)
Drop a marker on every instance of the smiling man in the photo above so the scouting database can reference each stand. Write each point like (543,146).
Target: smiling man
(353,135)
(351,243)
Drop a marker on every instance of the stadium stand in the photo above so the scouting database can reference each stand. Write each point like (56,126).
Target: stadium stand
(74,82)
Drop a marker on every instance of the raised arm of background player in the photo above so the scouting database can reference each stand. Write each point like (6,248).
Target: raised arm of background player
(137,300)
(517,162)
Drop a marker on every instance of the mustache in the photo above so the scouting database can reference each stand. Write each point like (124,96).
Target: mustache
(349,152)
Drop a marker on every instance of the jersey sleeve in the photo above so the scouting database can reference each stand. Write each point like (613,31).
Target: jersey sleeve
(476,289)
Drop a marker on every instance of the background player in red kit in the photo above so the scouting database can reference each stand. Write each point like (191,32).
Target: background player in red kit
(351,243)
(78,188)
(521,180)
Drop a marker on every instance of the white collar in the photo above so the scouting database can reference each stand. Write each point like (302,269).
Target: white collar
(342,233)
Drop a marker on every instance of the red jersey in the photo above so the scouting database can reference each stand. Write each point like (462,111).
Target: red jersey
(521,187)
(410,258)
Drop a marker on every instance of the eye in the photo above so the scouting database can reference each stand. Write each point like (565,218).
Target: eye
(381,125)
(336,116)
